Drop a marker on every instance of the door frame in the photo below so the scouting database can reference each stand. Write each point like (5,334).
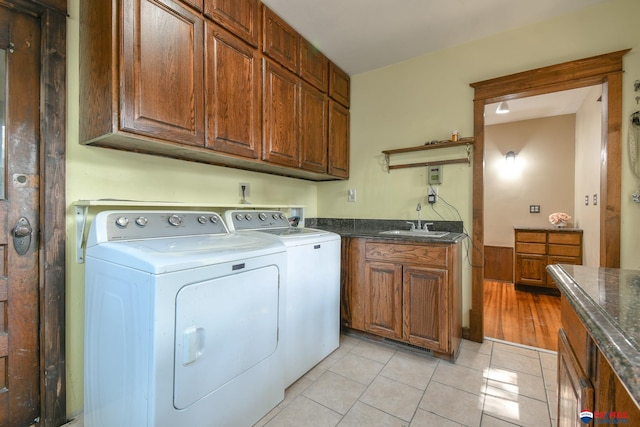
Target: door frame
(53,25)
(602,69)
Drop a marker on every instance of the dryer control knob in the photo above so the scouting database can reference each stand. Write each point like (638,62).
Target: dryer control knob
(142,221)
(202,219)
(214,219)
(175,220)
(248,217)
(262,216)
(276,216)
(122,221)
(239,217)
(283,217)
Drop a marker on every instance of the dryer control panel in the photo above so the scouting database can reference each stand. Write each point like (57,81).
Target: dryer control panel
(255,220)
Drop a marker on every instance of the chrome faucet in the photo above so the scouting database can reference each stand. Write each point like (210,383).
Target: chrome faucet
(413,226)
(419,209)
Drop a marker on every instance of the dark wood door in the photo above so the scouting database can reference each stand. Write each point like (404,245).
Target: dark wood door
(338,140)
(313,125)
(233,94)
(575,390)
(238,16)
(162,71)
(19,216)
(280,109)
(383,315)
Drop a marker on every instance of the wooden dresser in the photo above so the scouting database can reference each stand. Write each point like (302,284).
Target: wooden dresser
(535,248)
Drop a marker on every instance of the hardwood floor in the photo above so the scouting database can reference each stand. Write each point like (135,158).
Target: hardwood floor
(521,317)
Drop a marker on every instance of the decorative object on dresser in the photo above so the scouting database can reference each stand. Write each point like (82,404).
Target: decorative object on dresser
(535,248)
(559,219)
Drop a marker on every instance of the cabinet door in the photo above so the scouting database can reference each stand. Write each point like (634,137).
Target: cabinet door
(338,140)
(233,94)
(238,16)
(313,125)
(339,85)
(162,71)
(314,66)
(575,391)
(280,40)
(383,314)
(424,310)
(530,269)
(280,109)
(196,4)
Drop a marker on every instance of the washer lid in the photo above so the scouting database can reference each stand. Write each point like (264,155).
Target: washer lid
(165,255)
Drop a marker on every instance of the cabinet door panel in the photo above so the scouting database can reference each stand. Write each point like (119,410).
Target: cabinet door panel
(281,106)
(531,236)
(575,390)
(565,250)
(313,125)
(565,238)
(314,66)
(233,94)
(383,314)
(338,140)
(530,269)
(238,16)
(531,248)
(402,253)
(339,85)
(425,302)
(280,41)
(161,92)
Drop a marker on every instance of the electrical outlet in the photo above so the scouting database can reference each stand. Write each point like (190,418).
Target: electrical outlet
(351,195)
(247,189)
(432,195)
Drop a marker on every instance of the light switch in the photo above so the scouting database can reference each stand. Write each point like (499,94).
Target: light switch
(351,195)
(595,199)
(586,200)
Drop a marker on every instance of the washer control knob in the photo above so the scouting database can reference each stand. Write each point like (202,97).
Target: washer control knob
(239,217)
(248,217)
(214,219)
(122,221)
(276,216)
(175,220)
(202,219)
(142,221)
(262,216)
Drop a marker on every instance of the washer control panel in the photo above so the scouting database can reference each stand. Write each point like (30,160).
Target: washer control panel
(128,225)
(255,220)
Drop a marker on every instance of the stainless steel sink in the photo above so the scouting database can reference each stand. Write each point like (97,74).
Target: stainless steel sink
(416,233)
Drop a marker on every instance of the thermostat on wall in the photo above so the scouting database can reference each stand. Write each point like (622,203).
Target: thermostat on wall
(434,175)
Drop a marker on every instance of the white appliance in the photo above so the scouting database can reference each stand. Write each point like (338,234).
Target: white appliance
(181,321)
(311,328)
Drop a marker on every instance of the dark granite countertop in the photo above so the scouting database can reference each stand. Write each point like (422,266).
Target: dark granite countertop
(371,228)
(607,300)
(548,228)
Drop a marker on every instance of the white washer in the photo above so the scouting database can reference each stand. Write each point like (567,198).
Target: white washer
(312,317)
(181,321)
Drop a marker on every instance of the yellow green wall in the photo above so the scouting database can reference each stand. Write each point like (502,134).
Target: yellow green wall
(397,106)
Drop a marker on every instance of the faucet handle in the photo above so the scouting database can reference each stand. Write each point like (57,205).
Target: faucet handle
(413,226)
(426,225)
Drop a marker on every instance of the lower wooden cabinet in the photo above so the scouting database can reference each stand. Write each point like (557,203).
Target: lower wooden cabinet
(408,292)
(586,380)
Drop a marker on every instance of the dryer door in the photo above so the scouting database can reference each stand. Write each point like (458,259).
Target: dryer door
(224,327)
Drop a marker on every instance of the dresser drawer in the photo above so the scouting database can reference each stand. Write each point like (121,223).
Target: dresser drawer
(565,238)
(390,252)
(565,250)
(531,236)
(531,248)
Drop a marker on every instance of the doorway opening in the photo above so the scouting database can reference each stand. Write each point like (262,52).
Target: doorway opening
(605,70)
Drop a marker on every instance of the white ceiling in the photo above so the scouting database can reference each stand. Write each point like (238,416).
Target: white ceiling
(362,35)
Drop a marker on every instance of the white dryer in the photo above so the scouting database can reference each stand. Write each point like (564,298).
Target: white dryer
(181,321)
(311,329)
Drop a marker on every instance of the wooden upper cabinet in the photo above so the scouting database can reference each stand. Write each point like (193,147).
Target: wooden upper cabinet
(339,85)
(313,125)
(162,71)
(338,140)
(232,94)
(238,16)
(314,66)
(280,109)
(280,40)
(196,4)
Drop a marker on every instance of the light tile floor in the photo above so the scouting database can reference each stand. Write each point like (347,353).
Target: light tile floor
(365,383)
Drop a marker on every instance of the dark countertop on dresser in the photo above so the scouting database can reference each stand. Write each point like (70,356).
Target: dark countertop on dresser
(371,228)
(547,228)
(607,300)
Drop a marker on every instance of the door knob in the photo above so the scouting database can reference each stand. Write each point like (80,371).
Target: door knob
(22,235)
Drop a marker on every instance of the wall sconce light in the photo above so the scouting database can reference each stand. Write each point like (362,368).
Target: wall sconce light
(510,158)
(503,108)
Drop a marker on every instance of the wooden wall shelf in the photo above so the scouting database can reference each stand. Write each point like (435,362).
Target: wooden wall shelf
(466,142)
